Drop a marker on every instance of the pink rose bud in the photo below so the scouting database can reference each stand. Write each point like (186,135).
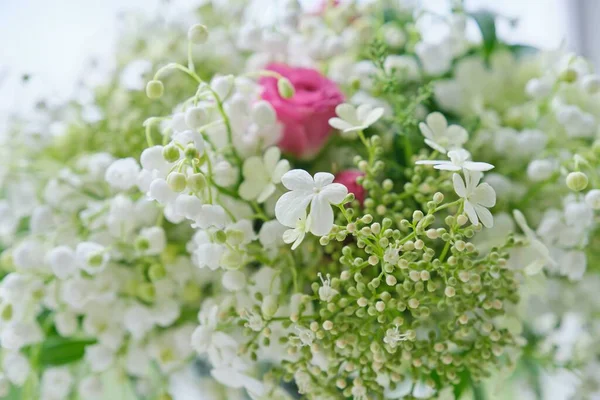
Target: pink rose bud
(348,179)
(305,115)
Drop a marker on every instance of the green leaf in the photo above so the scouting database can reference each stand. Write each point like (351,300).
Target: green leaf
(486,20)
(60,351)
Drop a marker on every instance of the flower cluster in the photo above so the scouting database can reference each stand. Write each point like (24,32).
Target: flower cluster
(328,205)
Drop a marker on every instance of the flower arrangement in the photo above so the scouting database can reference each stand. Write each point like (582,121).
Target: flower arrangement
(330,206)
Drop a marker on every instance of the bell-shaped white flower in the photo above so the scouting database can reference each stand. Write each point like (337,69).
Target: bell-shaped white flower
(478,197)
(56,383)
(122,174)
(62,261)
(261,174)
(459,159)
(441,137)
(319,192)
(91,257)
(354,119)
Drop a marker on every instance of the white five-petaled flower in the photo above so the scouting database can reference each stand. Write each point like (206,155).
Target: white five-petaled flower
(478,197)
(441,137)
(536,245)
(261,174)
(354,119)
(319,192)
(459,159)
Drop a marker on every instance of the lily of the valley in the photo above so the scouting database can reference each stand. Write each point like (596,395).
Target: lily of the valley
(459,159)
(478,197)
(319,192)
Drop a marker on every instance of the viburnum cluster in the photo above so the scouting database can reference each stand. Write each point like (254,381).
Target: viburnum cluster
(329,205)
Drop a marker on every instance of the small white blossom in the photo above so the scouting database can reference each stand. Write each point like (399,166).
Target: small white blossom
(62,261)
(592,199)
(306,336)
(122,174)
(478,197)
(99,357)
(319,192)
(441,137)
(91,257)
(543,254)
(353,119)
(297,234)
(393,337)
(326,292)
(56,383)
(262,174)
(459,159)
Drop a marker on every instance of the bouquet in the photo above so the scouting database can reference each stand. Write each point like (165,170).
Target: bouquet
(334,204)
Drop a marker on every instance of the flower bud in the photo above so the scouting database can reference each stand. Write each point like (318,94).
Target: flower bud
(269,306)
(196,182)
(146,292)
(154,89)
(170,153)
(176,181)
(285,88)
(577,181)
(156,272)
(198,34)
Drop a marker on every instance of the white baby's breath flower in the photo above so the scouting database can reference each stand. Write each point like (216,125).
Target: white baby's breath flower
(478,197)
(319,192)
(459,159)
(261,174)
(353,119)
(441,137)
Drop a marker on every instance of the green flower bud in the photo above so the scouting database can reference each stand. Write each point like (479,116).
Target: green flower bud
(577,181)
(269,306)
(196,182)
(177,181)
(171,153)
(198,34)
(141,244)
(156,272)
(285,88)
(154,89)
(146,292)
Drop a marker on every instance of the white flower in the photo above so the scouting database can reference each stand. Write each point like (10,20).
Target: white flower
(436,58)
(99,357)
(138,320)
(296,235)
(478,197)
(540,170)
(441,137)
(354,119)
(91,257)
(234,280)
(66,323)
(306,336)
(205,337)
(122,174)
(326,292)
(62,261)
(155,238)
(56,383)
(261,174)
(16,367)
(233,378)
(459,159)
(542,252)
(393,337)
(592,199)
(90,387)
(319,192)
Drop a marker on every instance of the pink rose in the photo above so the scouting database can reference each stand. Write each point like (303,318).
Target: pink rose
(306,115)
(348,179)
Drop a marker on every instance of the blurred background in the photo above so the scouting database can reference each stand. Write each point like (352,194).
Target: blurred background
(51,42)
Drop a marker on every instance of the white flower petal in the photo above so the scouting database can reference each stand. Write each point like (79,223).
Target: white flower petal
(347,112)
(334,193)
(447,167)
(485,216)
(340,124)
(535,267)
(250,190)
(435,146)
(459,185)
(281,168)
(265,193)
(471,213)
(323,179)
(425,131)
(291,235)
(321,216)
(292,206)
(432,162)
(373,116)
(298,179)
(271,157)
(477,166)
(484,194)
(437,123)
